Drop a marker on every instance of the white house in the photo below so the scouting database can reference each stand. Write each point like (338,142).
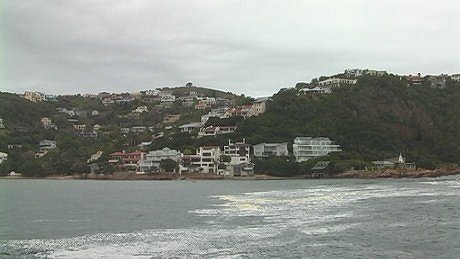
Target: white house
(3,157)
(270,149)
(190,127)
(151,161)
(336,82)
(2,126)
(305,148)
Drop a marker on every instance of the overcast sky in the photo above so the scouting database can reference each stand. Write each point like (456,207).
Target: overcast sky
(247,47)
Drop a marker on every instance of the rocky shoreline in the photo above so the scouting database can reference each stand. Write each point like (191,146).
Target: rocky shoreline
(399,173)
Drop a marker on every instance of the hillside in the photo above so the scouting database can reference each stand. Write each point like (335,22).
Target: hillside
(376,119)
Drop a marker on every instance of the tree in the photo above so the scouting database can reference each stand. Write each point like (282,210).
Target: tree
(168,165)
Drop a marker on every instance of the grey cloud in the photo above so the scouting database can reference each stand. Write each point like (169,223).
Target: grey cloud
(250,47)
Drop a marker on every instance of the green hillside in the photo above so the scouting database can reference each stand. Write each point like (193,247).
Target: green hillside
(378,118)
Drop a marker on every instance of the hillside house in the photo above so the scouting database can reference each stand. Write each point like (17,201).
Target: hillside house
(264,150)
(216,130)
(79,127)
(355,72)
(305,148)
(2,126)
(140,109)
(190,127)
(336,82)
(372,72)
(438,81)
(45,146)
(202,106)
(415,80)
(259,106)
(34,96)
(48,124)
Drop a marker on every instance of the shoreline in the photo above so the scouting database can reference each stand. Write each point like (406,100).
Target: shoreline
(363,174)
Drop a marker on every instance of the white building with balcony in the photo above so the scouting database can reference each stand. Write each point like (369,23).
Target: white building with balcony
(305,148)
(336,82)
(208,159)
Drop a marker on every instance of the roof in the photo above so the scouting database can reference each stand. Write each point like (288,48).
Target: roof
(321,165)
(272,144)
(190,125)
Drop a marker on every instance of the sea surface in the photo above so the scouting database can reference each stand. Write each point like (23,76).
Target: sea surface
(348,218)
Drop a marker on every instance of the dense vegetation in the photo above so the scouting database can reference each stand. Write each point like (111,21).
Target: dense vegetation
(376,119)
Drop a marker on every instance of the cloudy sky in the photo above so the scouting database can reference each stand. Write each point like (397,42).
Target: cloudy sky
(253,47)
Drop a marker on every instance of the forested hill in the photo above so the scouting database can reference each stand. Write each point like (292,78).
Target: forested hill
(377,118)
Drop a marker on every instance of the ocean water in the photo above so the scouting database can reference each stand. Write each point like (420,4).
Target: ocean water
(349,218)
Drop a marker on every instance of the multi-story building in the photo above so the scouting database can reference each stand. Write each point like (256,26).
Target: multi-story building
(305,148)
(240,162)
(207,159)
(270,149)
(237,149)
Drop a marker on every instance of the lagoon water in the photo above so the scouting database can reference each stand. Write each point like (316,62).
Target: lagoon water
(404,218)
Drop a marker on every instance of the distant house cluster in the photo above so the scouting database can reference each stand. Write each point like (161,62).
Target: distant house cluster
(231,160)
